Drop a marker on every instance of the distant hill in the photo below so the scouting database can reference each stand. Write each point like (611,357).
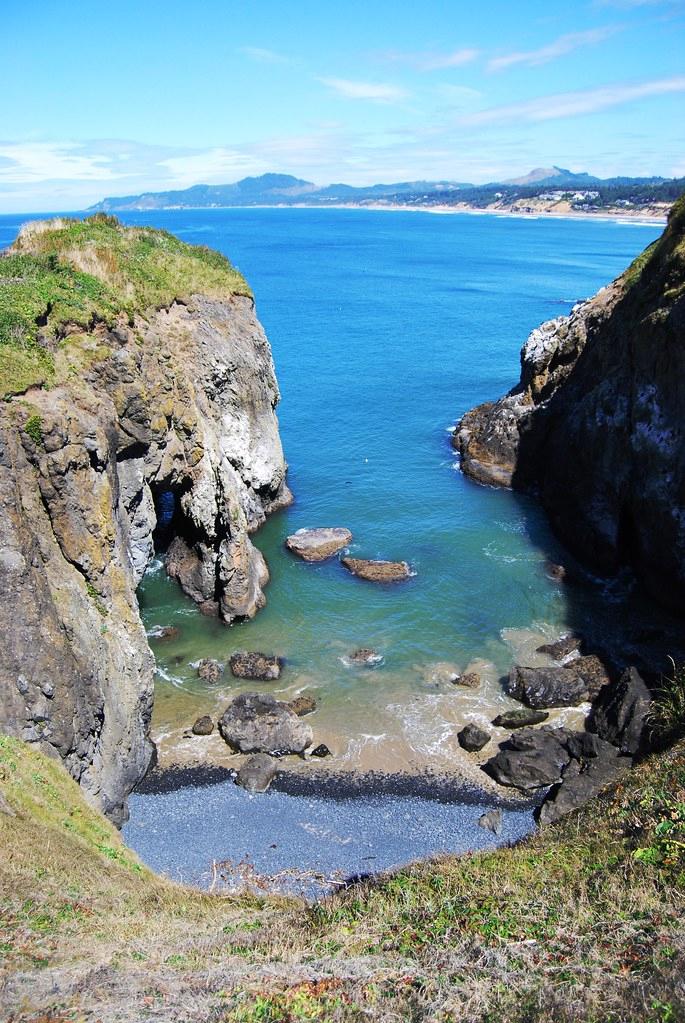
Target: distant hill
(284,189)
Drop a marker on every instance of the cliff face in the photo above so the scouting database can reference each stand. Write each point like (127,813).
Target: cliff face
(596,424)
(157,423)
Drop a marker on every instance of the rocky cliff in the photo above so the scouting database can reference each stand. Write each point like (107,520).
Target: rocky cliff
(139,395)
(596,424)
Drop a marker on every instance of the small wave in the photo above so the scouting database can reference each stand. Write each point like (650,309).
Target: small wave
(155,567)
(451,429)
(371,662)
(168,677)
(157,631)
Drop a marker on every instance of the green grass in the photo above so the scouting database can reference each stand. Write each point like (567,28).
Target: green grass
(64,276)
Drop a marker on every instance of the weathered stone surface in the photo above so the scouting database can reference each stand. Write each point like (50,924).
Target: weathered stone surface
(620,713)
(471,680)
(253,665)
(257,773)
(491,821)
(258,723)
(203,726)
(302,705)
(546,687)
(178,402)
(377,571)
(564,649)
(531,759)
(472,738)
(321,750)
(365,657)
(595,423)
(581,781)
(520,718)
(318,544)
(210,670)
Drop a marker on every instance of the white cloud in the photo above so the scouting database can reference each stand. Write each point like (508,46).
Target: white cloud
(570,104)
(564,44)
(429,61)
(263,56)
(378,92)
(211,165)
(21,162)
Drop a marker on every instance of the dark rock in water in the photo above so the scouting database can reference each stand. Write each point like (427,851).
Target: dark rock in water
(255,666)
(257,773)
(531,759)
(472,738)
(583,780)
(491,821)
(258,723)
(318,544)
(203,726)
(520,718)
(562,649)
(471,680)
(302,705)
(556,571)
(546,687)
(321,750)
(166,632)
(366,657)
(210,670)
(377,571)
(620,713)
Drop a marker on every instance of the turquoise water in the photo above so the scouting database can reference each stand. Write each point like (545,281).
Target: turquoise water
(385,328)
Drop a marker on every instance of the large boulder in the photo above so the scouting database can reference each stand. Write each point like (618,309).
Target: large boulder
(258,723)
(257,773)
(472,738)
(255,666)
(532,758)
(203,726)
(318,544)
(567,686)
(620,713)
(377,571)
(583,779)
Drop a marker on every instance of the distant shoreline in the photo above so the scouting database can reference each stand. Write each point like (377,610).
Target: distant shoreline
(645,219)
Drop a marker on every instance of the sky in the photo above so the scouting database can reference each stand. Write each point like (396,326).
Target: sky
(125,96)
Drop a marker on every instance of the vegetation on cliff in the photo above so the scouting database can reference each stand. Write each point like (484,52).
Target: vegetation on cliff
(583,922)
(63,277)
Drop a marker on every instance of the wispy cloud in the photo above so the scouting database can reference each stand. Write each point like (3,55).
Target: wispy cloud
(570,104)
(263,56)
(431,61)
(378,92)
(210,165)
(21,162)
(557,48)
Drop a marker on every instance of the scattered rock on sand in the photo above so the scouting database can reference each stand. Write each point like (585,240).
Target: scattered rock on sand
(377,571)
(302,705)
(321,750)
(255,666)
(470,679)
(257,773)
(210,670)
(365,657)
(318,544)
(258,723)
(472,738)
(520,718)
(491,821)
(203,726)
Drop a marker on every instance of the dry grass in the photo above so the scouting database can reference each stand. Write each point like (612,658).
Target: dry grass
(584,922)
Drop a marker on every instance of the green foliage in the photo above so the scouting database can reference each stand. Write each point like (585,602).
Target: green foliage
(95,597)
(65,275)
(667,713)
(34,428)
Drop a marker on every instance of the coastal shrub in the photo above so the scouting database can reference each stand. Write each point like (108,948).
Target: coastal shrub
(667,713)
(34,428)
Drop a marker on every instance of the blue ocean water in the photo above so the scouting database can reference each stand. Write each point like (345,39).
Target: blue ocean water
(385,328)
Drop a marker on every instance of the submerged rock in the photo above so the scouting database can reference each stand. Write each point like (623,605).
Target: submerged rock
(210,670)
(491,821)
(472,738)
(377,571)
(165,632)
(620,714)
(470,679)
(257,773)
(255,666)
(365,657)
(302,705)
(441,673)
(258,723)
(318,544)
(520,718)
(203,726)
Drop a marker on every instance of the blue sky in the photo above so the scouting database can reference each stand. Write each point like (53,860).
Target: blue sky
(121,97)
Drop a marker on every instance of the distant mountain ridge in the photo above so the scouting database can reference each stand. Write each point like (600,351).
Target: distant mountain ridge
(285,189)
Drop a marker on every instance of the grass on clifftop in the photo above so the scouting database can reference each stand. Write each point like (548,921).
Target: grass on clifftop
(64,274)
(583,923)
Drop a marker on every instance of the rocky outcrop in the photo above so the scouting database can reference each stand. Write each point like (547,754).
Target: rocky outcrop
(621,713)
(318,544)
(377,571)
(258,723)
(568,686)
(596,423)
(258,667)
(159,425)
